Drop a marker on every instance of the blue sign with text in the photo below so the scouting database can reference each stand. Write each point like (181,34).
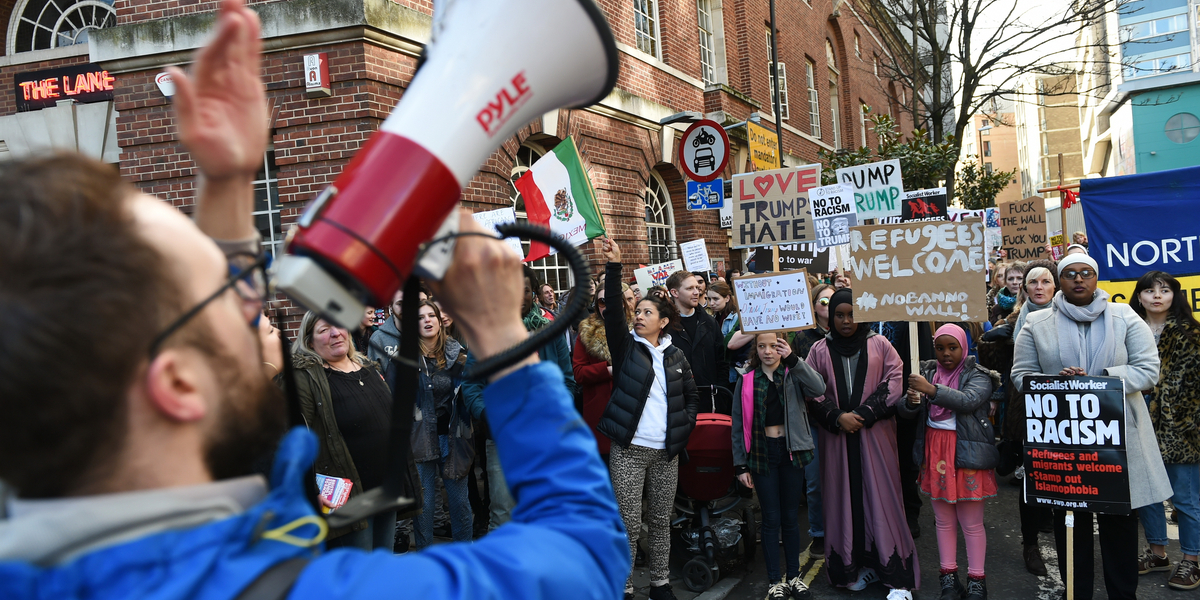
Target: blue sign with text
(705,196)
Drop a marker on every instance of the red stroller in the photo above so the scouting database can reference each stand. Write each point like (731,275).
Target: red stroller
(714,522)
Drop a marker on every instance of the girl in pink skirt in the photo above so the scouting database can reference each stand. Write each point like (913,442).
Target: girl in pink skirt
(957,453)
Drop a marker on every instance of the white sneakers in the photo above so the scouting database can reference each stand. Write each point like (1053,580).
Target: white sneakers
(866,576)
(899,595)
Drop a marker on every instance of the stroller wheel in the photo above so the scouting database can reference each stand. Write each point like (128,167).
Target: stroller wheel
(697,575)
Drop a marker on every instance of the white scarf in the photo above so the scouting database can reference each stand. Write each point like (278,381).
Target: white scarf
(1072,339)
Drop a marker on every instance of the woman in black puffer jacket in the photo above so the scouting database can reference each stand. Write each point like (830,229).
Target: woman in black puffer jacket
(648,418)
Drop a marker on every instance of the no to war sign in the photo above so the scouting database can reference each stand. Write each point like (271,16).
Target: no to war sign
(1075,443)
(877,188)
(774,302)
(648,277)
(919,272)
(771,207)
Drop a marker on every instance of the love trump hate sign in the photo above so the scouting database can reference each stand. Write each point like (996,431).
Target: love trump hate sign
(919,272)
(1075,453)
(774,302)
(771,207)
(877,188)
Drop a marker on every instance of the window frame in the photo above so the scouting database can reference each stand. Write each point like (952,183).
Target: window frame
(708,68)
(655,34)
(863,109)
(19,22)
(1127,27)
(814,100)
(554,264)
(667,249)
(267,180)
(834,93)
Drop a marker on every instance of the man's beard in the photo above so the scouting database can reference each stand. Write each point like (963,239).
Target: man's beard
(250,422)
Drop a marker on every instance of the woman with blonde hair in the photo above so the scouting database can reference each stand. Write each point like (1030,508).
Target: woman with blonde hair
(345,402)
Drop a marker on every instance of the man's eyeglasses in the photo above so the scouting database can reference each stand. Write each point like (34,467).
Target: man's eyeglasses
(248,279)
(1072,274)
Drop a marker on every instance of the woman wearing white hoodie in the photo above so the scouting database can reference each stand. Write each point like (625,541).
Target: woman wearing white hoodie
(649,417)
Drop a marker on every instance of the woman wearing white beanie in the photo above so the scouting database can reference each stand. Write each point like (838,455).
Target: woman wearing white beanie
(1084,334)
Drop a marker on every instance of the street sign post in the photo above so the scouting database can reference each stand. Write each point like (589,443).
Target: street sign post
(704,151)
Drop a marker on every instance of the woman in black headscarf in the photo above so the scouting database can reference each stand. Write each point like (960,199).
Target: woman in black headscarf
(857,450)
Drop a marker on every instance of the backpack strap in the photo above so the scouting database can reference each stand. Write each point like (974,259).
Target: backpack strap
(276,582)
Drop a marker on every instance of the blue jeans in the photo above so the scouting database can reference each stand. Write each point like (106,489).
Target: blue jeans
(812,473)
(380,533)
(779,498)
(1185,484)
(456,498)
(502,501)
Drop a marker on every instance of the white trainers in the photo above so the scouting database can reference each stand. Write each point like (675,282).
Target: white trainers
(866,576)
(1020,472)
(899,595)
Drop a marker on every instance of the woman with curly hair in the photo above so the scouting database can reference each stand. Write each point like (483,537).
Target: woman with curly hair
(1175,413)
(592,362)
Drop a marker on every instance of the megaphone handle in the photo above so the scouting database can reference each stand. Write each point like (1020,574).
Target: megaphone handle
(579,301)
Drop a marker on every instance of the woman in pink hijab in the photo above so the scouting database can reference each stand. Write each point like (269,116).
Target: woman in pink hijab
(956,451)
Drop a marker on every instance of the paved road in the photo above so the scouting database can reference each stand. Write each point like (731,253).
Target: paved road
(1007,577)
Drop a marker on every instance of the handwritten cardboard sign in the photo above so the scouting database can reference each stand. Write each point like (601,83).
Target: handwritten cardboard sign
(491,218)
(774,302)
(919,272)
(695,255)
(924,205)
(771,207)
(1075,449)
(1023,228)
(834,213)
(877,188)
(648,277)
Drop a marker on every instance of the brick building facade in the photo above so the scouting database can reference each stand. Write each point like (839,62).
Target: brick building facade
(709,56)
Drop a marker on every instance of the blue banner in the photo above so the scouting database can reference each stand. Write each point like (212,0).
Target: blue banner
(1145,222)
(705,196)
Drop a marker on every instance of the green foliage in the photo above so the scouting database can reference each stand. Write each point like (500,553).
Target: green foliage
(923,164)
(977,188)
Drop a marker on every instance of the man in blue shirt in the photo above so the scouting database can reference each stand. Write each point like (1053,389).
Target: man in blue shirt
(132,425)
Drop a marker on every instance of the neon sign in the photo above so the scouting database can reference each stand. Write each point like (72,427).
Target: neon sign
(82,83)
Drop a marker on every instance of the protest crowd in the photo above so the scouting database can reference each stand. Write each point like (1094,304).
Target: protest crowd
(142,473)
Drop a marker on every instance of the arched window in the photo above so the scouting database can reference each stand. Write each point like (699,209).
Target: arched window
(660,223)
(553,269)
(45,24)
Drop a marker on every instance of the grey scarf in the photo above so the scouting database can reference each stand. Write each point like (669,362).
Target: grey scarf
(1098,337)
(1029,306)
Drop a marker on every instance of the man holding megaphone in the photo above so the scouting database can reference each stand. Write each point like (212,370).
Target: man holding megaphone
(132,475)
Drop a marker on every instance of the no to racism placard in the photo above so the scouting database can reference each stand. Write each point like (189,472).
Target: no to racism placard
(1075,443)
(877,188)
(1023,227)
(771,207)
(648,277)
(919,272)
(774,302)
(834,213)
(805,256)
(924,205)
(695,255)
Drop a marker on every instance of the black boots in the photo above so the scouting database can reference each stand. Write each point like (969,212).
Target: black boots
(1033,560)
(952,588)
(976,589)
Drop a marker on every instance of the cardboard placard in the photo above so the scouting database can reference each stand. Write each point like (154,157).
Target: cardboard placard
(958,214)
(924,205)
(919,272)
(1075,453)
(491,218)
(834,213)
(771,207)
(877,188)
(1023,227)
(648,277)
(774,302)
(695,256)
(805,256)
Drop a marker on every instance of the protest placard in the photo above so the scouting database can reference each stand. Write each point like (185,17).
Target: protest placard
(1023,227)
(924,205)
(774,302)
(1075,443)
(648,277)
(834,213)
(491,218)
(918,272)
(877,188)
(695,255)
(771,207)
(958,214)
(805,256)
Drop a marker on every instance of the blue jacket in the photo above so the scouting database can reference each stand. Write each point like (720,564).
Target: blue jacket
(566,538)
(555,353)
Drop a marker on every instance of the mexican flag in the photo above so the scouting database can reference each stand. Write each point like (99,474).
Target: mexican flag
(559,196)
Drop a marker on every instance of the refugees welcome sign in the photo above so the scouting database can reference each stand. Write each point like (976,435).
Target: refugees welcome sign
(1075,443)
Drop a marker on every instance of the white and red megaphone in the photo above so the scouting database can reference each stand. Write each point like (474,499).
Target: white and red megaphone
(492,67)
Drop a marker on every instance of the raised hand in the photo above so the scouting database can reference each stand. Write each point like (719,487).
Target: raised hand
(608,249)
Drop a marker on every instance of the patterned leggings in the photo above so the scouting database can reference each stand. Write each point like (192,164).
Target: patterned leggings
(632,468)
